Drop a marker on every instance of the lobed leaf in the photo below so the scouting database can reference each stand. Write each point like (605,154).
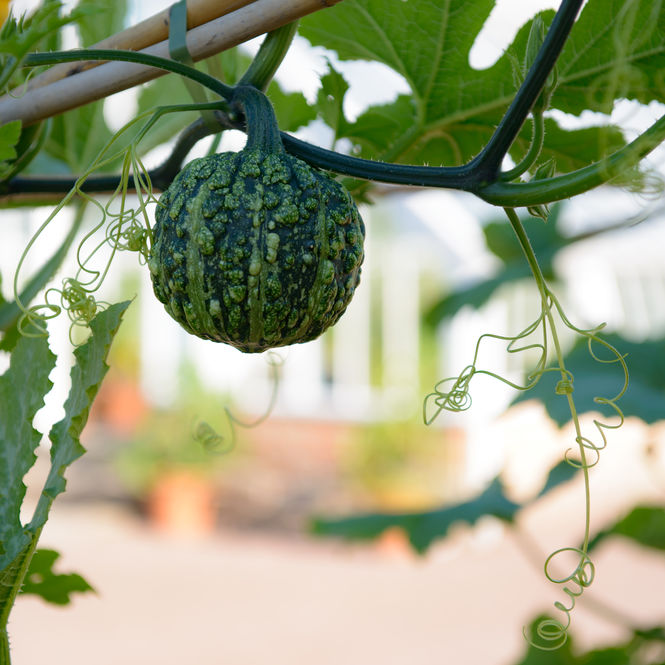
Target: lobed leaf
(615,50)
(41,580)
(423,528)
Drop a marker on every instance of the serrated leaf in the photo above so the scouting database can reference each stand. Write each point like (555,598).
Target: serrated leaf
(86,376)
(644,524)
(41,580)
(645,397)
(22,390)
(20,36)
(454,108)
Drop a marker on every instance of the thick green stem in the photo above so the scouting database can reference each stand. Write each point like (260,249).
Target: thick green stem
(489,160)
(269,57)
(261,123)
(576,182)
(55,57)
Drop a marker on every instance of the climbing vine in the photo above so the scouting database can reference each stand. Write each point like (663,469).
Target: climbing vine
(540,72)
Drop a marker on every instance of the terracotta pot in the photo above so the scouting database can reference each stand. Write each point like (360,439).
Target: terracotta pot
(182,502)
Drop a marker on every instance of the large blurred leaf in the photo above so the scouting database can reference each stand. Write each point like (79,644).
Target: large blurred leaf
(453,109)
(644,524)
(41,580)
(104,18)
(546,241)
(78,135)
(645,397)
(423,528)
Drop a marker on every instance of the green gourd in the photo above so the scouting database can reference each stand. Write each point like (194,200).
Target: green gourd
(255,248)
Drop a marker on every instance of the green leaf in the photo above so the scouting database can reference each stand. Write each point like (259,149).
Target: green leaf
(546,241)
(164,91)
(77,136)
(423,528)
(616,50)
(568,653)
(11,577)
(100,19)
(330,100)
(22,390)
(10,133)
(644,524)
(646,391)
(86,376)
(291,108)
(20,36)
(453,109)
(41,580)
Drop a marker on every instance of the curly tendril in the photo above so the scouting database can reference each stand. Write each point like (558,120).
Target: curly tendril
(121,226)
(452,394)
(214,442)
(551,634)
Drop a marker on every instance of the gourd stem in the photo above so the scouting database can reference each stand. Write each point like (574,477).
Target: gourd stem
(269,57)
(260,121)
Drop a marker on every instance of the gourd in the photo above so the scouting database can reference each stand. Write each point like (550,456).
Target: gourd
(256,249)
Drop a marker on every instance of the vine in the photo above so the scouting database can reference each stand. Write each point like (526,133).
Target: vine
(125,226)
(452,394)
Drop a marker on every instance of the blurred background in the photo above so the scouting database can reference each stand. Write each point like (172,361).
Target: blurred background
(208,556)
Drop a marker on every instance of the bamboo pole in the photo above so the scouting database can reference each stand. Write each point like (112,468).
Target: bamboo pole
(146,33)
(206,40)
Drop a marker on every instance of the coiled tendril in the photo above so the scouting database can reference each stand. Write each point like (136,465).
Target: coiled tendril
(124,227)
(215,442)
(452,394)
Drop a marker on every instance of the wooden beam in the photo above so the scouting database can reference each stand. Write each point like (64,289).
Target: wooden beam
(83,87)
